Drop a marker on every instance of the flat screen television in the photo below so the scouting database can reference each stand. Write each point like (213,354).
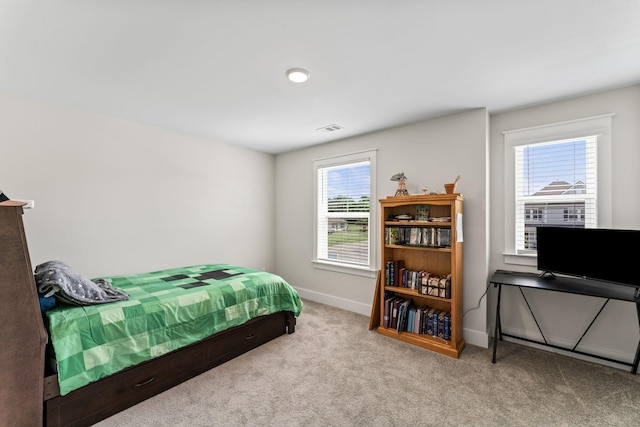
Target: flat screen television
(605,254)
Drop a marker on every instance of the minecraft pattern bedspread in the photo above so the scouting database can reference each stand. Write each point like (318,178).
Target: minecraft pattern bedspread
(167,310)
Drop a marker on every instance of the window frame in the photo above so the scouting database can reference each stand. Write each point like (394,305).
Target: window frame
(599,126)
(369,270)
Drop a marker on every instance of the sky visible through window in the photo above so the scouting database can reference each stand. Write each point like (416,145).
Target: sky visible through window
(546,163)
(350,181)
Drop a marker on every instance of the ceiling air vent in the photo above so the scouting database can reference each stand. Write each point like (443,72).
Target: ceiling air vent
(330,128)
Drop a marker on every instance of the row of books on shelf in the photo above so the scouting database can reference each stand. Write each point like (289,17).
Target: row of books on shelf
(402,315)
(439,237)
(424,282)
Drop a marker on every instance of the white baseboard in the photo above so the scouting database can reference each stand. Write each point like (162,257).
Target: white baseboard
(345,304)
(480,339)
(477,338)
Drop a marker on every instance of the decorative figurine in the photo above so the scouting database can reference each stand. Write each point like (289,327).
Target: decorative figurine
(402,188)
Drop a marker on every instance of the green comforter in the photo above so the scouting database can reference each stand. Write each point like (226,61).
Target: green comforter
(167,310)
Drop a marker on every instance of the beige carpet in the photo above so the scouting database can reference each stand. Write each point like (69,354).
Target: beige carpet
(333,371)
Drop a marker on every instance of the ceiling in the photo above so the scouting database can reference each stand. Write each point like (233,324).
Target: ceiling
(216,69)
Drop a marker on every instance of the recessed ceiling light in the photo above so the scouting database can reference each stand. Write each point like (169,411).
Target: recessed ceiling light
(298,75)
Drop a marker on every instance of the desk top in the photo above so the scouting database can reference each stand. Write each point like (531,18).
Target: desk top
(594,288)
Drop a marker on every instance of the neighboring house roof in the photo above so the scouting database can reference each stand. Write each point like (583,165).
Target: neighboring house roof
(561,187)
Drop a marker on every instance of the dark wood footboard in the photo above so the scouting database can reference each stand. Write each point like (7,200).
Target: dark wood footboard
(108,396)
(291,322)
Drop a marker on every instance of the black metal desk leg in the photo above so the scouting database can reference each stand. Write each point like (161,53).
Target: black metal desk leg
(498,329)
(634,367)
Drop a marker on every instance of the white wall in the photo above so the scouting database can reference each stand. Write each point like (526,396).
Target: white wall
(564,317)
(117,197)
(430,153)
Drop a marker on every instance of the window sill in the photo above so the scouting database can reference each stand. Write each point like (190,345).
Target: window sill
(528,260)
(341,268)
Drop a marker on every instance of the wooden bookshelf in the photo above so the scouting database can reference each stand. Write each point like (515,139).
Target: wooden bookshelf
(417,247)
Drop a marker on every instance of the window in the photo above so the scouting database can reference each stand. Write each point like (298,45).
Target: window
(533,214)
(554,181)
(345,211)
(559,175)
(574,215)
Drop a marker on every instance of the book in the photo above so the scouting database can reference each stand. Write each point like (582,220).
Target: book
(410,318)
(424,283)
(423,319)
(447,326)
(403,310)
(441,324)
(433,237)
(425,239)
(426,315)
(444,286)
(394,273)
(394,313)
(387,269)
(397,266)
(386,314)
(430,317)
(416,320)
(435,316)
(422,212)
(415,236)
(392,235)
(445,237)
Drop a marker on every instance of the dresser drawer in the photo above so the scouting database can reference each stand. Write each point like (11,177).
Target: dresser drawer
(111,395)
(244,338)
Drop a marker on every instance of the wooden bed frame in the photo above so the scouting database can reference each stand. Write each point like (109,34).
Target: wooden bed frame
(29,397)
(110,395)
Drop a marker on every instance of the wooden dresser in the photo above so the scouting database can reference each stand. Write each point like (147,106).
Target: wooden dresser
(22,333)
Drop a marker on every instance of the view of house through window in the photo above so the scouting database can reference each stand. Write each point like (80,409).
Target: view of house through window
(343,206)
(556,185)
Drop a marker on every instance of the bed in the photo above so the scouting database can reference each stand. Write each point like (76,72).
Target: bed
(175,324)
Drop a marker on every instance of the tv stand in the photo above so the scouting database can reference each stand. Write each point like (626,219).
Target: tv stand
(546,275)
(594,288)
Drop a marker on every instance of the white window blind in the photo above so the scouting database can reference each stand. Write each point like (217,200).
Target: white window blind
(556,185)
(343,210)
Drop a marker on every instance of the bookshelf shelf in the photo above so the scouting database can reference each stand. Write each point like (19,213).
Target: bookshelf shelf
(422,248)
(419,223)
(414,292)
(420,297)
